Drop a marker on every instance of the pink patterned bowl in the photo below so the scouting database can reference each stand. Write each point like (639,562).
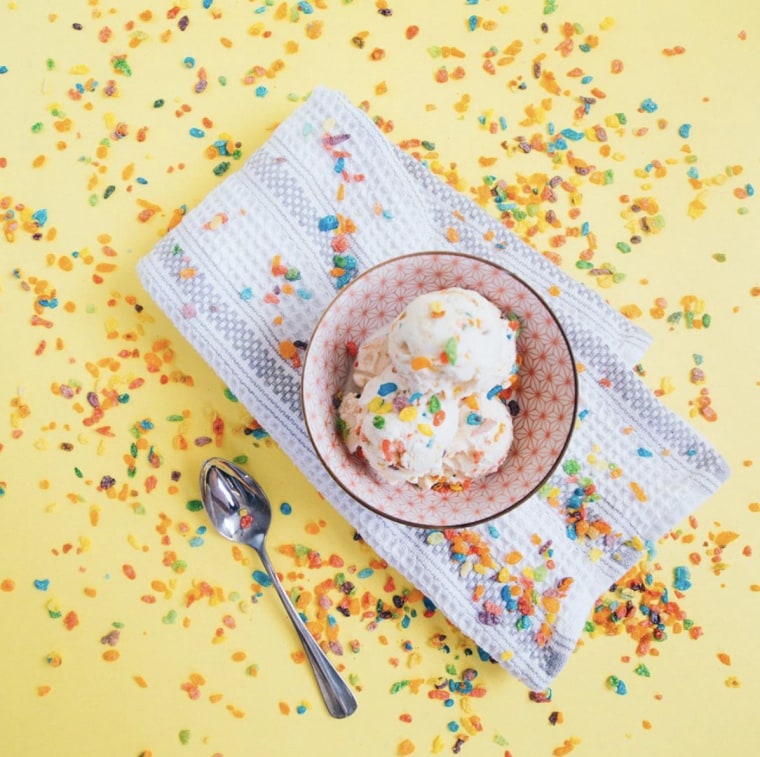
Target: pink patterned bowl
(546,391)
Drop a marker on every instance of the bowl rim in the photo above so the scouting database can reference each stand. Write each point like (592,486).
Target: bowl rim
(421,524)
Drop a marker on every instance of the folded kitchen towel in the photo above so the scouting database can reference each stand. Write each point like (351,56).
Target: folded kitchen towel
(245,277)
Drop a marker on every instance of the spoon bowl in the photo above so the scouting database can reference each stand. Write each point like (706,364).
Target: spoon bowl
(240,511)
(236,504)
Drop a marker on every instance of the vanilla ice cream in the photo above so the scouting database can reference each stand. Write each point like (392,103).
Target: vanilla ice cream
(451,338)
(423,403)
(404,433)
(482,441)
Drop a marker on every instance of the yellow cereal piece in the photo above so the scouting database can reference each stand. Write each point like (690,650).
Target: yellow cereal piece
(471,401)
(436,310)
(666,385)
(631,311)
(379,405)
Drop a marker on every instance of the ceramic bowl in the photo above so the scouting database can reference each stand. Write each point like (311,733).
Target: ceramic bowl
(546,391)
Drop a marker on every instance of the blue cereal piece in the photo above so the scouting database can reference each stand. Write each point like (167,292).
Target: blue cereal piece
(328,223)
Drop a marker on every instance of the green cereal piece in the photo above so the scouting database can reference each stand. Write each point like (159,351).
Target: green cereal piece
(450,348)
(121,65)
(571,467)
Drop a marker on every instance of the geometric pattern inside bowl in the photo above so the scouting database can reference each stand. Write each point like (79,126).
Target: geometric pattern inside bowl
(547,394)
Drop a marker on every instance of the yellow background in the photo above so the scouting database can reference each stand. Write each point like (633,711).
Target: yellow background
(59,695)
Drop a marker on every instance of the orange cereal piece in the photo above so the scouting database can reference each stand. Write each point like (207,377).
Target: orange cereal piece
(287,349)
(405,747)
(638,492)
(724,538)
(419,363)
(567,747)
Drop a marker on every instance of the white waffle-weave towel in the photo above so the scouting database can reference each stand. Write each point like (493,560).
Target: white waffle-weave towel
(634,467)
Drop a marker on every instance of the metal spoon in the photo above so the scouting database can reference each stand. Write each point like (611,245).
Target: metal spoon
(241,512)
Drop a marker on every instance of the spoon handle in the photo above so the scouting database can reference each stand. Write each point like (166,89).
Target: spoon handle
(338,696)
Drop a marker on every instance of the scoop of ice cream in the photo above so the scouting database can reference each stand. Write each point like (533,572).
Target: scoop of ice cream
(482,441)
(401,432)
(452,338)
